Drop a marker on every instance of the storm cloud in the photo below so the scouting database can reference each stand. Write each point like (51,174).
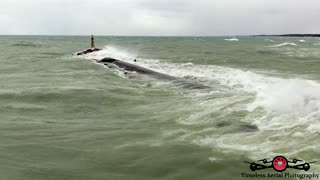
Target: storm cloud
(159,17)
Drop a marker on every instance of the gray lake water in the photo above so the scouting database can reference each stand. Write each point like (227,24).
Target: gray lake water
(67,117)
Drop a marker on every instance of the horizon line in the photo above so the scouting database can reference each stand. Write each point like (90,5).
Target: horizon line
(250,35)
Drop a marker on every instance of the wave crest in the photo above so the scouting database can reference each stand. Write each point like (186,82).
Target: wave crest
(284,44)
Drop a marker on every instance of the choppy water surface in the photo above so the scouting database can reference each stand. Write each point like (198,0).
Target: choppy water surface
(67,117)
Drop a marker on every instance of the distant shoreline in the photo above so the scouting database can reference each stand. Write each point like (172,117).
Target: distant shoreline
(290,35)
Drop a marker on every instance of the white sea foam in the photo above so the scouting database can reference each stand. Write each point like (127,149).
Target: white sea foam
(301,40)
(289,96)
(283,44)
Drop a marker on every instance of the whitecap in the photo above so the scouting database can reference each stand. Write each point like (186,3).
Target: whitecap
(283,44)
(232,39)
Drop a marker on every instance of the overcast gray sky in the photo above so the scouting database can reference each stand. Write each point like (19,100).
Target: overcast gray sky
(159,17)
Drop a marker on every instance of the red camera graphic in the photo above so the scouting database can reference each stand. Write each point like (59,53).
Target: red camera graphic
(280,163)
